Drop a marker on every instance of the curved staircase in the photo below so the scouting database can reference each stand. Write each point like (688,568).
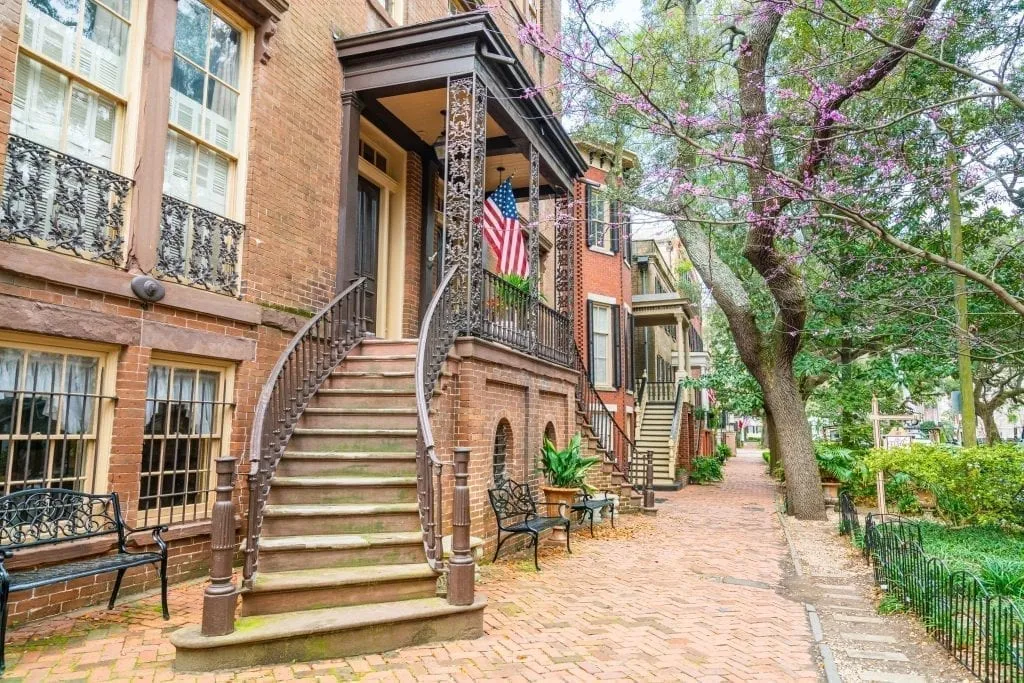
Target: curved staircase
(342,567)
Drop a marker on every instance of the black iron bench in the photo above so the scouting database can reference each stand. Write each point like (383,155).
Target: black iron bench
(39,517)
(512,501)
(588,504)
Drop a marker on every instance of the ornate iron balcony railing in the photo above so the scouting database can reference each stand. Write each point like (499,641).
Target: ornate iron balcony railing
(57,202)
(199,248)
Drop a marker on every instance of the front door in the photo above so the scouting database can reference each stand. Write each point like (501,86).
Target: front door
(367,233)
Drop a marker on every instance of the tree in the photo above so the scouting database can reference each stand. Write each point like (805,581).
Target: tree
(797,125)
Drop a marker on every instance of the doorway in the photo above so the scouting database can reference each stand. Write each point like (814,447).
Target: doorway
(367,246)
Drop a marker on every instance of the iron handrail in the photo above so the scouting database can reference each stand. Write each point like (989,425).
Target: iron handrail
(608,432)
(437,336)
(300,371)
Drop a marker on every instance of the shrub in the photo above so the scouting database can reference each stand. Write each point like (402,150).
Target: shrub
(722,452)
(983,485)
(767,455)
(565,468)
(834,461)
(1002,576)
(706,469)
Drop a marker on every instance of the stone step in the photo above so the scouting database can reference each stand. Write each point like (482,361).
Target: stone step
(327,633)
(296,520)
(385,347)
(338,490)
(379,363)
(375,440)
(395,381)
(319,588)
(347,464)
(363,398)
(359,418)
(285,553)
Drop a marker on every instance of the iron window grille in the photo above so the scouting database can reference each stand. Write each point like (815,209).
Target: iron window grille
(502,439)
(185,425)
(50,415)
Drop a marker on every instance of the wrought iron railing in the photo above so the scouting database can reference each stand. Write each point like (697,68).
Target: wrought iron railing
(437,336)
(696,341)
(618,447)
(58,202)
(985,632)
(300,371)
(199,248)
(513,317)
(555,336)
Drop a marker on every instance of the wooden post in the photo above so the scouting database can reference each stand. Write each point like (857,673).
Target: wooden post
(221,596)
(461,566)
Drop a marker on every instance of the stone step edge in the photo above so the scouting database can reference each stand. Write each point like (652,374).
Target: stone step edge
(367,481)
(288,625)
(340,541)
(339,510)
(354,431)
(351,456)
(360,411)
(306,579)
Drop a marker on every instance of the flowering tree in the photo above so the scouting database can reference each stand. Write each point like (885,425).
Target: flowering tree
(766,126)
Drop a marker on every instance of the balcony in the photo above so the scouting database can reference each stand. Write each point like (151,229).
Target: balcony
(198,248)
(54,201)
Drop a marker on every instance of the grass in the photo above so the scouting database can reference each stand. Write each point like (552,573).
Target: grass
(994,555)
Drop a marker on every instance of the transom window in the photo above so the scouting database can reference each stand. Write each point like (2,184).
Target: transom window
(184,428)
(69,91)
(50,410)
(202,140)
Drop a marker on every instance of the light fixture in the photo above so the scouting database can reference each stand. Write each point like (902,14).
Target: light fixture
(441,143)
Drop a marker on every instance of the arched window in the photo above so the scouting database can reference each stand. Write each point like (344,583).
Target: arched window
(549,433)
(502,448)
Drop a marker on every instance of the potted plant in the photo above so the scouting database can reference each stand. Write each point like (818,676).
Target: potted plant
(565,471)
(835,464)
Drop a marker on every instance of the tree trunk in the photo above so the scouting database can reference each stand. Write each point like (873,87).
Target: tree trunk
(987,415)
(772,441)
(804,498)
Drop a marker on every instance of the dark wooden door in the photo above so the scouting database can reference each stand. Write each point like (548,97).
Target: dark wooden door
(368,228)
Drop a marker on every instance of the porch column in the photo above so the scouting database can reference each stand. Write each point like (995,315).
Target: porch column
(564,232)
(533,245)
(682,347)
(465,158)
(348,213)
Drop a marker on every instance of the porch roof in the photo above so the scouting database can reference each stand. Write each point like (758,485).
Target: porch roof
(417,58)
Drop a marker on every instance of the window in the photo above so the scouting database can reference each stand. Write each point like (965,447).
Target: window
(184,430)
(550,434)
(69,91)
(605,351)
(206,127)
(502,446)
(50,413)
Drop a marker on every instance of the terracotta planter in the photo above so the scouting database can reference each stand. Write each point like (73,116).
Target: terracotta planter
(830,490)
(926,499)
(555,495)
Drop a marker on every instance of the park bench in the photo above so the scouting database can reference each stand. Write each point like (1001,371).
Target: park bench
(588,504)
(48,517)
(516,513)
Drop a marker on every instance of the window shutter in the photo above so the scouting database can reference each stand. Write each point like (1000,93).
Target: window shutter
(630,372)
(615,209)
(627,234)
(590,339)
(616,358)
(591,222)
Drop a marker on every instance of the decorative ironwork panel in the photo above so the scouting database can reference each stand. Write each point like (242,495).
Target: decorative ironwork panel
(564,232)
(465,156)
(57,202)
(533,239)
(199,248)
(39,516)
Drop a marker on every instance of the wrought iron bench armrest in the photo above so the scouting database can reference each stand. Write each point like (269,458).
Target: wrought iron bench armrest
(560,507)
(156,529)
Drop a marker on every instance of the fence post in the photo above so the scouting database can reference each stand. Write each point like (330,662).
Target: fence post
(221,596)
(461,566)
(649,508)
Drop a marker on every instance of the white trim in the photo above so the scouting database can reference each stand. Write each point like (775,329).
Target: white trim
(629,409)
(601,299)
(601,250)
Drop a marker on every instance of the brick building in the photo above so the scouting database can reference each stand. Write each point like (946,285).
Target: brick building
(187,185)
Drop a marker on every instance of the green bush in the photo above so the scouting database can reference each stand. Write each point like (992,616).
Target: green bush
(767,455)
(722,452)
(706,469)
(566,468)
(978,486)
(834,461)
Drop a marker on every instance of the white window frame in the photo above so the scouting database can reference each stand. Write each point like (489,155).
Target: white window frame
(606,381)
(234,204)
(220,444)
(94,475)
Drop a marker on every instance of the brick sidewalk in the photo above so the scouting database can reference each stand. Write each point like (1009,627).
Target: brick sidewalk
(693,594)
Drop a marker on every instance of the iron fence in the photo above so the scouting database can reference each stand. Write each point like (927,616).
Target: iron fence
(199,248)
(554,332)
(985,632)
(513,317)
(58,202)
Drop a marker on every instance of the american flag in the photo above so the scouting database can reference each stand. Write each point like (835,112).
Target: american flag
(712,396)
(502,231)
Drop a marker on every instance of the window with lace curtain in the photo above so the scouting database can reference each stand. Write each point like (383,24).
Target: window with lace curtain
(51,409)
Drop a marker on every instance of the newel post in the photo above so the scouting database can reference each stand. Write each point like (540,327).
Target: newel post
(461,566)
(649,484)
(221,596)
